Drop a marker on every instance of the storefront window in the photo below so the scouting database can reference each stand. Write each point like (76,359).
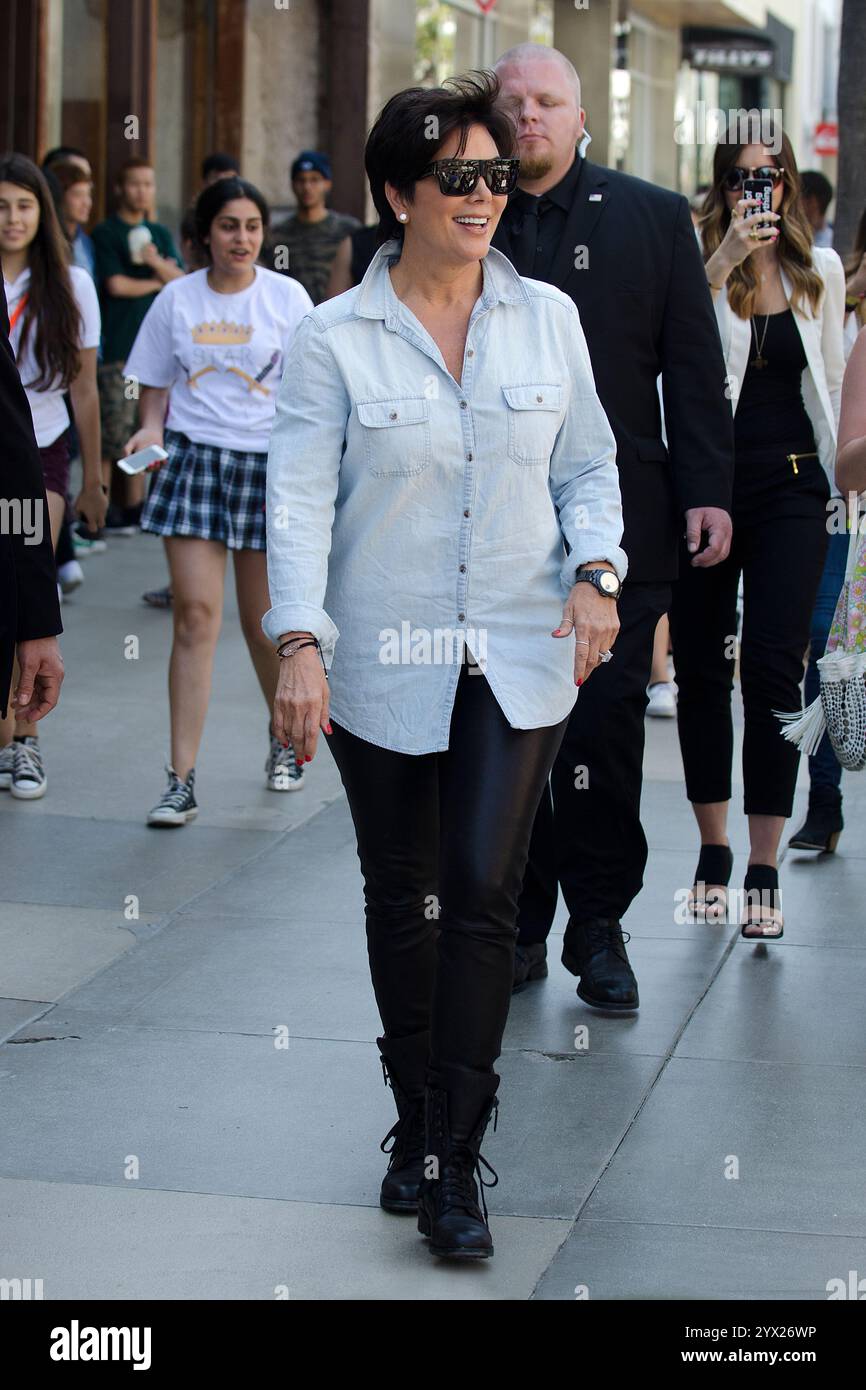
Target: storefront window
(78,118)
(455,35)
(449,40)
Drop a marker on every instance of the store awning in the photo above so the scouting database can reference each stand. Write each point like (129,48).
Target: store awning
(673,14)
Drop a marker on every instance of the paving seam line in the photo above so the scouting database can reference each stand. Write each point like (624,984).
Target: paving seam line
(723,959)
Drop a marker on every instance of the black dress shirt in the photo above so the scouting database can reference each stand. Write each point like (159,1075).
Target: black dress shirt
(553,208)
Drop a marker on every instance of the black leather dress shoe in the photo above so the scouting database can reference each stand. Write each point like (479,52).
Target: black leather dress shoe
(595,950)
(530,963)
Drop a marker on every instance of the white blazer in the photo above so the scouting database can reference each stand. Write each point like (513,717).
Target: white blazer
(822,335)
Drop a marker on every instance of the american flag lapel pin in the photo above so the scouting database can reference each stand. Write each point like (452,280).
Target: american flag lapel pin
(595,197)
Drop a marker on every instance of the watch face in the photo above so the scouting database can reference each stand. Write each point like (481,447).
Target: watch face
(609,582)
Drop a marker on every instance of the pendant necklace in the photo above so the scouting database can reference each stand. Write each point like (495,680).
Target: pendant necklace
(759,360)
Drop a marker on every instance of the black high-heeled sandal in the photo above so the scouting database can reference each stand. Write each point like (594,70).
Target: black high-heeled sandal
(715,866)
(762,914)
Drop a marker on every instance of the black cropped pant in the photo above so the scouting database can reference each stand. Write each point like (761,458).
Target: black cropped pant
(779,545)
(443,840)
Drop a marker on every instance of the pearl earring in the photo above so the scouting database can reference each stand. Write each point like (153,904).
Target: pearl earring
(404,217)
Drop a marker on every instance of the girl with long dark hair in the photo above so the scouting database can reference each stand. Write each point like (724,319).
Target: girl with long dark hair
(211,349)
(779,303)
(54,333)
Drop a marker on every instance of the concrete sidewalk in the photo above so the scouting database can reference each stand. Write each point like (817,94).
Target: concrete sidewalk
(159,1141)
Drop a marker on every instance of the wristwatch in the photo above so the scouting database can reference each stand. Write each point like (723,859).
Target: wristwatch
(605,581)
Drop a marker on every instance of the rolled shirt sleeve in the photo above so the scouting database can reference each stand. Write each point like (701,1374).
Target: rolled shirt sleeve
(584,481)
(304,457)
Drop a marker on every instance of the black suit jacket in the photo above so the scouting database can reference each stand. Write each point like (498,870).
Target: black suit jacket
(28,580)
(646,310)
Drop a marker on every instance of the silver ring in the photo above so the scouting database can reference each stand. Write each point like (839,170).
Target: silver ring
(579,642)
(605,656)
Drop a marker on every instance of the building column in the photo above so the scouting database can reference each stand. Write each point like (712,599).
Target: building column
(585,36)
(130,58)
(344,70)
(23,39)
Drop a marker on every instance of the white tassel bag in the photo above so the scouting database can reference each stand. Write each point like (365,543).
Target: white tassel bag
(840,709)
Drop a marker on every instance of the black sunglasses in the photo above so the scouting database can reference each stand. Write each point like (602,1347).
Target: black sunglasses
(736,177)
(457,177)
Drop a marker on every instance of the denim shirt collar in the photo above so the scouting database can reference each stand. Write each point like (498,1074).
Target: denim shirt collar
(378,300)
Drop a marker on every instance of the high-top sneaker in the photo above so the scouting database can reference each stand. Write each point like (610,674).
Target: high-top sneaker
(28,774)
(284,773)
(7,762)
(177,804)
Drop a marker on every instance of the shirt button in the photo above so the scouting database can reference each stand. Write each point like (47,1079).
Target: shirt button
(462,569)
(466,513)
(539,399)
(471,352)
(393,415)
(463,405)
(461,617)
(469,457)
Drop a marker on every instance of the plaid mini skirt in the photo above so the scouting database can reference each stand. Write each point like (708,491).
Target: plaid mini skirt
(205,491)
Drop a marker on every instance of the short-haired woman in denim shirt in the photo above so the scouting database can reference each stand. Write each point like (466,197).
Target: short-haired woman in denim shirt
(443,496)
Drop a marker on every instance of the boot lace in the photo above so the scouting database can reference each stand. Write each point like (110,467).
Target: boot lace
(460,1172)
(406,1138)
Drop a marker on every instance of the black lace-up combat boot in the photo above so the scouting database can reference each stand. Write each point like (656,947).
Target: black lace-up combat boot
(457,1117)
(404,1066)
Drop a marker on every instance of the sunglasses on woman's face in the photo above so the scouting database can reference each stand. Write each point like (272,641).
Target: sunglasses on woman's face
(457,177)
(735,178)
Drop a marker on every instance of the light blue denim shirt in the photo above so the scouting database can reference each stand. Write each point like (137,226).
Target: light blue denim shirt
(409,513)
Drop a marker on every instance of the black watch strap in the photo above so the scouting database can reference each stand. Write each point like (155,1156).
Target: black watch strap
(594,577)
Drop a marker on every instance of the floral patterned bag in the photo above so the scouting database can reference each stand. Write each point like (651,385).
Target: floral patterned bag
(840,710)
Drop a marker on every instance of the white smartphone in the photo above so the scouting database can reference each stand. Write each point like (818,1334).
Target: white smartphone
(136,462)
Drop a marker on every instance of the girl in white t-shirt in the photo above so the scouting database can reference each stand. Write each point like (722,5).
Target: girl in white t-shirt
(54,332)
(210,353)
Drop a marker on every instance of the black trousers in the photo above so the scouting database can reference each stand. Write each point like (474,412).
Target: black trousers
(779,545)
(442,841)
(587,834)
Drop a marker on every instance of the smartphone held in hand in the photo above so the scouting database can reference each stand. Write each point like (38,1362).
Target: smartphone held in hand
(762,189)
(142,459)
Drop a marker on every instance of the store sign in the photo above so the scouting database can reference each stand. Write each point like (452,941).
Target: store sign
(485,6)
(827,138)
(729,58)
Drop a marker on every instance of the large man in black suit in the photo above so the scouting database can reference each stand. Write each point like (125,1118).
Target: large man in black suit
(29,607)
(626,253)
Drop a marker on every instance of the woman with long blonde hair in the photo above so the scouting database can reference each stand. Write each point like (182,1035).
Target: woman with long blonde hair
(780,306)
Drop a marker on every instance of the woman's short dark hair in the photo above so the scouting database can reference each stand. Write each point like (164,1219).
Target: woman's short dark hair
(414,125)
(212,200)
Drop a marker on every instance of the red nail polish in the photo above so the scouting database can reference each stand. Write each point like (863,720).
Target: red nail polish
(580,682)
(308,759)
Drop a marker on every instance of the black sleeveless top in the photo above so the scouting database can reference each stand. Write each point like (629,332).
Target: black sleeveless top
(770,411)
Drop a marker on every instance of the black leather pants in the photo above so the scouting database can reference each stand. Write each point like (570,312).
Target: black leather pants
(443,840)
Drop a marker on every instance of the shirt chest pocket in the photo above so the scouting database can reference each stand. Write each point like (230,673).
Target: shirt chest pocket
(533,421)
(397,437)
